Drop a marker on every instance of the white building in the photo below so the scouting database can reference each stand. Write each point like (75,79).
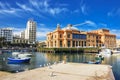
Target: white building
(22,35)
(7,34)
(30,32)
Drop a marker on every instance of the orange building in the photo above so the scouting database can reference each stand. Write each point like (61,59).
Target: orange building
(108,40)
(72,37)
(66,37)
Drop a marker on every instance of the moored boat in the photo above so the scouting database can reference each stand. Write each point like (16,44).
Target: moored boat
(115,51)
(105,52)
(19,60)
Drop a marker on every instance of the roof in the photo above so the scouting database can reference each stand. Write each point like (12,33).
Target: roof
(70,27)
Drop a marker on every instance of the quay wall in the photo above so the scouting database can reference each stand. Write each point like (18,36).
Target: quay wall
(69,50)
(65,71)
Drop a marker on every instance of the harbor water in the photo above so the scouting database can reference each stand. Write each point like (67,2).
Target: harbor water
(39,59)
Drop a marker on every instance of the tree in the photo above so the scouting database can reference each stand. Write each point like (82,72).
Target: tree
(2,41)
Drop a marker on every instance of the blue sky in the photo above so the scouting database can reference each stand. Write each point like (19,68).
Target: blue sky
(86,14)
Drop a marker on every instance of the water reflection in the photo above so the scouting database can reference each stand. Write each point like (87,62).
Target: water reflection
(41,59)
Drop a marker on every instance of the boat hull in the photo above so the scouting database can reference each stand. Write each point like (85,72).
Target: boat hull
(12,60)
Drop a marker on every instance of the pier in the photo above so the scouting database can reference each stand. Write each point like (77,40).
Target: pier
(65,71)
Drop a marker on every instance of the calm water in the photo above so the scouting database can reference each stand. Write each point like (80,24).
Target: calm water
(40,59)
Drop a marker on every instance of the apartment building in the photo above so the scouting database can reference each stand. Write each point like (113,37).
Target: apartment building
(7,34)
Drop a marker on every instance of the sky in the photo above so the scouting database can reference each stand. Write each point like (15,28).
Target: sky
(86,15)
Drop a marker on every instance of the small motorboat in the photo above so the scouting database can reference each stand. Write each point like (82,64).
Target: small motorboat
(21,55)
(24,55)
(116,51)
(105,52)
(94,62)
(19,60)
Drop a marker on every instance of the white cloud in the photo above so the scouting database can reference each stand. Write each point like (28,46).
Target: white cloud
(24,7)
(88,22)
(54,11)
(42,32)
(45,7)
(114,12)
(34,7)
(83,9)
(116,32)
(17,31)
(7,11)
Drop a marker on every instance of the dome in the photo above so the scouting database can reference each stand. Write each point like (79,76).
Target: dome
(70,27)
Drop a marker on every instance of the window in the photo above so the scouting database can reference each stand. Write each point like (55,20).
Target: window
(68,43)
(76,43)
(55,43)
(60,43)
(68,35)
(52,37)
(73,43)
(55,36)
(60,35)
(79,36)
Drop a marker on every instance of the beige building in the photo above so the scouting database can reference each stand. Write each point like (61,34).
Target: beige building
(107,39)
(72,37)
(66,37)
(118,43)
(93,39)
(17,40)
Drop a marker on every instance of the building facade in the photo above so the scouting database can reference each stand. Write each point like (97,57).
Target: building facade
(17,40)
(30,32)
(66,37)
(106,38)
(7,34)
(72,37)
(118,43)
(22,35)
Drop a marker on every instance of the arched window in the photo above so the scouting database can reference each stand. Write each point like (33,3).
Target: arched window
(60,35)
(68,35)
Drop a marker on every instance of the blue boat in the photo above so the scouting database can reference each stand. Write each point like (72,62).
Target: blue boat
(19,60)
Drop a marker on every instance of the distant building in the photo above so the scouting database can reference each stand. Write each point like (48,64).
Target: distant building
(7,34)
(30,32)
(17,40)
(42,44)
(72,37)
(22,35)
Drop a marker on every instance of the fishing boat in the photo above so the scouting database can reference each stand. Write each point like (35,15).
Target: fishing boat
(19,60)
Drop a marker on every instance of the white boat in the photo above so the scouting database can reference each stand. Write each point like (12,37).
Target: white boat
(105,51)
(21,55)
(15,54)
(24,55)
(116,51)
